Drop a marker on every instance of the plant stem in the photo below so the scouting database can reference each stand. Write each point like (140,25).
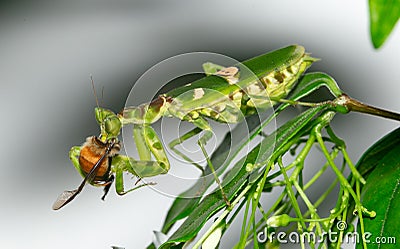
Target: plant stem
(221,218)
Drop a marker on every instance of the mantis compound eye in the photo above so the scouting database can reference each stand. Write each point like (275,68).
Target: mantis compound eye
(109,122)
(112,126)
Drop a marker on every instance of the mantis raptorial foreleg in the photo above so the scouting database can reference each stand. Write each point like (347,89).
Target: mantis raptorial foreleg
(147,143)
(73,156)
(124,163)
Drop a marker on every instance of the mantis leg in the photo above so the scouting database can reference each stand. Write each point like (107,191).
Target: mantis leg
(213,171)
(203,124)
(74,157)
(124,163)
(148,143)
(182,139)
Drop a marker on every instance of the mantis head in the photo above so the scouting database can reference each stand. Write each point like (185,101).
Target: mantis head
(110,124)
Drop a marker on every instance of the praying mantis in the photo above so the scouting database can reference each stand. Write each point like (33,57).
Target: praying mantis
(226,95)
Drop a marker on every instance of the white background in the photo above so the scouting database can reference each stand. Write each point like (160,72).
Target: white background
(48,49)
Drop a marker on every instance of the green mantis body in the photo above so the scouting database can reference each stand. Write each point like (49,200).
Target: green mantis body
(225,95)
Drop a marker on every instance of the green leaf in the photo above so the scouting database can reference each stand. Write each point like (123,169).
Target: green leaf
(238,176)
(383,17)
(311,82)
(212,241)
(372,157)
(381,193)
(151,246)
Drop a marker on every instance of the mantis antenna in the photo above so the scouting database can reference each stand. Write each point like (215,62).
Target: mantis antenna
(94,90)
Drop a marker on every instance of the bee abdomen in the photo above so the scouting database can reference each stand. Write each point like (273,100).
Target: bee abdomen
(88,159)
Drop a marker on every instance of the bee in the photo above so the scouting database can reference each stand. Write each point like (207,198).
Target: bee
(95,160)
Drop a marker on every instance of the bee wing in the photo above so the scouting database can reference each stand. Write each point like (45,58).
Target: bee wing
(64,198)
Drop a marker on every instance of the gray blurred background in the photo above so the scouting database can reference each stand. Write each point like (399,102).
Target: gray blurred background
(48,50)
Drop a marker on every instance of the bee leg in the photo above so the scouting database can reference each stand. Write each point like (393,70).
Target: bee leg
(107,186)
(138,180)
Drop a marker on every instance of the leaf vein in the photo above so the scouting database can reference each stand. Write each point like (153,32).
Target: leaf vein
(388,209)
